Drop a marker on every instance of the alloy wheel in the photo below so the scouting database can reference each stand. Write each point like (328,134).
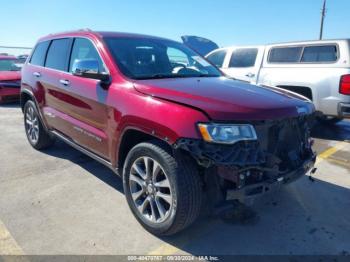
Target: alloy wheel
(150,189)
(32,125)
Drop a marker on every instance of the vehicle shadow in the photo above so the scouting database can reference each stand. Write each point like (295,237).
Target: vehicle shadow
(337,132)
(292,221)
(64,151)
(11,105)
(304,218)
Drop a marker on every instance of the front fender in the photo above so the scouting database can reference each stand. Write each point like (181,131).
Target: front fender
(165,120)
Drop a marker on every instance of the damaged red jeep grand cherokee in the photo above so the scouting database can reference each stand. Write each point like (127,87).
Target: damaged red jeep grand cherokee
(178,132)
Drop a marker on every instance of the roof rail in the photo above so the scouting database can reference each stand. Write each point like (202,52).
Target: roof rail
(85,29)
(72,31)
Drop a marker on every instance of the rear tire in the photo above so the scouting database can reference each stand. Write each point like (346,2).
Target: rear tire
(37,136)
(329,120)
(179,180)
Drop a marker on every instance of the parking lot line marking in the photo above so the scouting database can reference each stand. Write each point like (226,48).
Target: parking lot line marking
(339,162)
(8,245)
(164,249)
(168,249)
(330,151)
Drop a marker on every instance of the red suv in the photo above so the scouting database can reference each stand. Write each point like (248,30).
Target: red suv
(10,79)
(179,133)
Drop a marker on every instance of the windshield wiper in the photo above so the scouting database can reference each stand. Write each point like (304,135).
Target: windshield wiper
(156,76)
(160,76)
(207,75)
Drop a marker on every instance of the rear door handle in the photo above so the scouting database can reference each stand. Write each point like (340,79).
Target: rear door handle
(250,75)
(36,74)
(64,82)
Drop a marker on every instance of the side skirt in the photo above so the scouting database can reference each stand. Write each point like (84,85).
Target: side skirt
(85,151)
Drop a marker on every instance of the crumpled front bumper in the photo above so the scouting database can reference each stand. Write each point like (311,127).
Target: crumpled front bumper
(250,192)
(247,169)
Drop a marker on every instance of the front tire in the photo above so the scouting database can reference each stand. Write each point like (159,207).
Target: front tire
(37,136)
(163,192)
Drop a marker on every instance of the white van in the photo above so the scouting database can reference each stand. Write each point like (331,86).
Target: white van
(318,70)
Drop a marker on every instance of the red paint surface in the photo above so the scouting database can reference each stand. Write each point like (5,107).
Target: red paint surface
(9,93)
(165,108)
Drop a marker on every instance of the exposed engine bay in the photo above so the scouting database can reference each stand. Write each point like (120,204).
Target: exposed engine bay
(246,169)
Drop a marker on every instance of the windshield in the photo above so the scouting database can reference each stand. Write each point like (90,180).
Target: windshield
(9,65)
(142,58)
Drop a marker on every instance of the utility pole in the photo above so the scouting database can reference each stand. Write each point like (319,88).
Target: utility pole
(323,14)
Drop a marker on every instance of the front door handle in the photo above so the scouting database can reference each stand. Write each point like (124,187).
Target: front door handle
(36,74)
(250,75)
(64,82)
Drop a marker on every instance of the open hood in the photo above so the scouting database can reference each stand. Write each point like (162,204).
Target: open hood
(201,45)
(225,99)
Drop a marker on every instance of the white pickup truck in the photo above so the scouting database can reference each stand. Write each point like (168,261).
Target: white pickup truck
(318,70)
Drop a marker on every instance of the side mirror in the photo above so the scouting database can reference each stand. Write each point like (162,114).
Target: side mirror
(89,68)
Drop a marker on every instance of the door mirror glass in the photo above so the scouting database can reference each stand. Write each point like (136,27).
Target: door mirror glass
(89,68)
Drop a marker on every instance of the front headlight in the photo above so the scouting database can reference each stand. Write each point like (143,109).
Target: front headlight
(226,134)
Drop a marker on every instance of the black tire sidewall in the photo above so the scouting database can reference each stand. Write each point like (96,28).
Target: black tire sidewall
(329,121)
(31,104)
(141,151)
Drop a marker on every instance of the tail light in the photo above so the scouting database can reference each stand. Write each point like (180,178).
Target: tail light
(344,86)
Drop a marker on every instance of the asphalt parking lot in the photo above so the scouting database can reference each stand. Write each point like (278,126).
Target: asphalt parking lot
(62,202)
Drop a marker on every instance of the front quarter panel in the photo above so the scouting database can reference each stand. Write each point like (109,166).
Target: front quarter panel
(165,120)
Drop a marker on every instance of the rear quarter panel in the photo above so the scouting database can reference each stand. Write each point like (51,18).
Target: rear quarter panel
(30,85)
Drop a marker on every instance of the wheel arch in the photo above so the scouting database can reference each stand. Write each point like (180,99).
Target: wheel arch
(25,96)
(305,91)
(28,95)
(132,136)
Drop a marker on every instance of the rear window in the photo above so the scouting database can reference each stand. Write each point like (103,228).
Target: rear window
(38,56)
(57,56)
(324,53)
(217,58)
(244,57)
(285,55)
(9,65)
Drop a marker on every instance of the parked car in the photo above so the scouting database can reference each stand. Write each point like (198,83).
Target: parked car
(159,115)
(22,58)
(318,70)
(10,79)
(199,44)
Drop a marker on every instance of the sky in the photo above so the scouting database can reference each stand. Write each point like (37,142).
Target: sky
(226,22)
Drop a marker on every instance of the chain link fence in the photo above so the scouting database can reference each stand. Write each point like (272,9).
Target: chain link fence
(15,50)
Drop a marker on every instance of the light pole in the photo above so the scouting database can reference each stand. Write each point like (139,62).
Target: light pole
(323,14)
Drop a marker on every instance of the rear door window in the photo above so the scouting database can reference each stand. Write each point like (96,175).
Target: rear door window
(217,58)
(38,56)
(57,56)
(243,57)
(319,54)
(285,54)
